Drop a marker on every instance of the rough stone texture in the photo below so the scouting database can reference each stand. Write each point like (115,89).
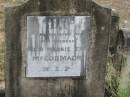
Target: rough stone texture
(122,7)
(90,85)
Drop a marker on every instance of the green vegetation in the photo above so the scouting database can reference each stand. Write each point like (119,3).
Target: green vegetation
(117,77)
(124,92)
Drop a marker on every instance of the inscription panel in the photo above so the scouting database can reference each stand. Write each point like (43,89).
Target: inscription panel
(56,45)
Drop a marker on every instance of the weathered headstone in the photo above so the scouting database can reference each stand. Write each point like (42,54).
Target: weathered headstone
(56,48)
(127,46)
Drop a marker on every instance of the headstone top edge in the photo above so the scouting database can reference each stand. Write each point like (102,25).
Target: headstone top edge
(9,5)
(103,7)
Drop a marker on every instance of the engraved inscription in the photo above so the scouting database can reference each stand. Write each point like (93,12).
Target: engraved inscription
(56,45)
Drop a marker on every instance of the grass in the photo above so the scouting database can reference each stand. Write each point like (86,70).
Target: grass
(117,79)
(124,92)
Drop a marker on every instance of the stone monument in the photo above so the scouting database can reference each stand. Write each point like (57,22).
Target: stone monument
(56,48)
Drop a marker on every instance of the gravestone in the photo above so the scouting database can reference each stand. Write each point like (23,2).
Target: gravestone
(126,32)
(56,48)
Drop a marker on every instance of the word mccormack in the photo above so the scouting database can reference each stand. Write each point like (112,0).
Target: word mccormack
(56,58)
